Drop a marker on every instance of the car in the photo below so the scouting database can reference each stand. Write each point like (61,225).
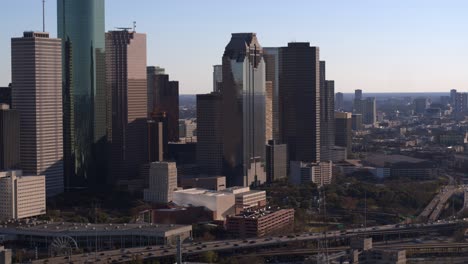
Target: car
(199,248)
(190,250)
(227,243)
(150,254)
(216,246)
(149,248)
(245,241)
(165,251)
(252,242)
(102,254)
(236,245)
(204,246)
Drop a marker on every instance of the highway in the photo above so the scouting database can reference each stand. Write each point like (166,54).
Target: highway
(117,256)
(437,204)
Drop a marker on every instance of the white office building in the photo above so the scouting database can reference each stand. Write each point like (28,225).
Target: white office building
(162,182)
(21,196)
(319,173)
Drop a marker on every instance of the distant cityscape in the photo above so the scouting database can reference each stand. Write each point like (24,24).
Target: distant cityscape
(102,160)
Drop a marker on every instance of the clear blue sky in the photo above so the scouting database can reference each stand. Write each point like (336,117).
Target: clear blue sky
(374,45)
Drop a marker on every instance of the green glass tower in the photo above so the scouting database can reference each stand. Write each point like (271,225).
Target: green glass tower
(81,28)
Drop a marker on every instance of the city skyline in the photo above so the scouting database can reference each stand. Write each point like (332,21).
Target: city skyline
(392,45)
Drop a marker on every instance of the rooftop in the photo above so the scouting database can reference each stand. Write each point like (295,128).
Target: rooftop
(380,160)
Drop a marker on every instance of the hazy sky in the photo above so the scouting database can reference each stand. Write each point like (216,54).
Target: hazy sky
(374,45)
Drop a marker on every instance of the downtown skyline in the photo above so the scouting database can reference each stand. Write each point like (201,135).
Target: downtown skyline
(377,47)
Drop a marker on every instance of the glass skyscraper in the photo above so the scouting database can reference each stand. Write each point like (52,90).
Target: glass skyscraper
(81,28)
(243,95)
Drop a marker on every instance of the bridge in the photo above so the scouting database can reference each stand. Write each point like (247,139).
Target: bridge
(433,210)
(238,245)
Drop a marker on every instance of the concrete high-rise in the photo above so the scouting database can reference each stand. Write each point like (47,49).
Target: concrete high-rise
(356,121)
(271,57)
(217,77)
(162,182)
(453,94)
(166,100)
(9,138)
(339,101)
(210,133)
(157,138)
(357,94)
(343,130)
(420,105)
(243,95)
(299,101)
(127,90)
(37,96)
(460,104)
(81,29)
(369,111)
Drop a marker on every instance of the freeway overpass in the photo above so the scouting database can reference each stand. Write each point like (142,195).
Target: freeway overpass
(150,252)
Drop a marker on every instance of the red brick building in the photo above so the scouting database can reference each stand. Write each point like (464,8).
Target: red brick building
(260,223)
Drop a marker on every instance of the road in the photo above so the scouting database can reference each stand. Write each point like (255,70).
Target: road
(117,256)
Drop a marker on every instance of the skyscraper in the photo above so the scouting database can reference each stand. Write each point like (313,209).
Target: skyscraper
(210,133)
(127,90)
(217,77)
(271,57)
(151,72)
(37,96)
(453,94)
(81,29)
(276,161)
(157,138)
(460,103)
(327,114)
(166,100)
(369,111)
(268,111)
(243,95)
(420,105)
(343,130)
(357,94)
(299,101)
(339,101)
(9,138)
(162,182)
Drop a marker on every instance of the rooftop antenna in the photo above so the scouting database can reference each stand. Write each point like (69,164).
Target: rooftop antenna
(43,15)
(134,26)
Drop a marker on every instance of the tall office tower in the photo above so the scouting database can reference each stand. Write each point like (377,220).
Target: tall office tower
(243,95)
(460,104)
(276,161)
(5,95)
(81,29)
(37,96)
(299,101)
(151,72)
(356,122)
(127,90)
(358,94)
(453,94)
(9,138)
(339,101)
(271,57)
(420,105)
(217,77)
(166,100)
(327,114)
(210,133)
(343,130)
(162,182)
(157,138)
(369,111)
(268,111)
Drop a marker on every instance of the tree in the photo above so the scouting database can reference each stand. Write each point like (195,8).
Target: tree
(209,257)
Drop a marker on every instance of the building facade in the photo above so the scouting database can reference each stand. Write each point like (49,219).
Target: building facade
(271,57)
(319,173)
(339,101)
(9,138)
(21,196)
(162,182)
(151,72)
(243,96)
(217,78)
(37,96)
(276,161)
(260,223)
(210,133)
(165,100)
(299,101)
(83,82)
(5,95)
(127,102)
(343,130)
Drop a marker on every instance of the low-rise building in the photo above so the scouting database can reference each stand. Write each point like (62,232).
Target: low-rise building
(401,166)
(220,203)
(260,223)
(21,196)
(5,255)
(247,199)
